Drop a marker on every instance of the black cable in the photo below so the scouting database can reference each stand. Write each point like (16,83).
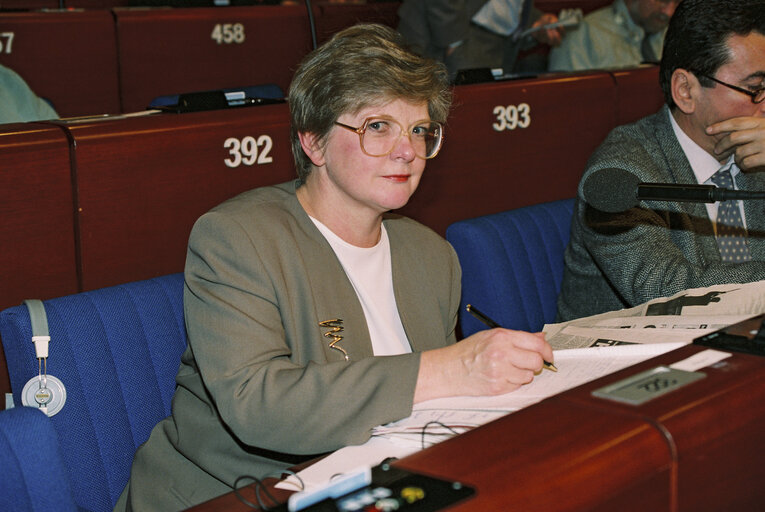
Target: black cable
(434,422)
(258,487)
(312,23)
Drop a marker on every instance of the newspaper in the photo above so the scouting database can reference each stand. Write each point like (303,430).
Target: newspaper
(682,317)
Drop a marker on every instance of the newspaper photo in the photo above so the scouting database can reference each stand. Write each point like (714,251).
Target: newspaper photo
(682,317)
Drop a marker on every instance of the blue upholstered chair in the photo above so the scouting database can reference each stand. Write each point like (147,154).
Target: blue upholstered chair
(33,475)
(512,264)
(117,351)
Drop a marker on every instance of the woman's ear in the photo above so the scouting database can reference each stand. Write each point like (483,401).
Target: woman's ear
(312,147)
(685,89)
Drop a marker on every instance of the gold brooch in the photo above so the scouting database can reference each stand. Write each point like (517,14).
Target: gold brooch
(335,326)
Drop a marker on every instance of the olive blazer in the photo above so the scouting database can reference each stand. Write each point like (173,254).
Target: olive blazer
(260,388)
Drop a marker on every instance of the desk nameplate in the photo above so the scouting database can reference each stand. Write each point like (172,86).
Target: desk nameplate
(647,385)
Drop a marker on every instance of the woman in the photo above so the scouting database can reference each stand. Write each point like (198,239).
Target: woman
(312,314)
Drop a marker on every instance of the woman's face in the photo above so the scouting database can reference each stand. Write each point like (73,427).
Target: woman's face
(363,183)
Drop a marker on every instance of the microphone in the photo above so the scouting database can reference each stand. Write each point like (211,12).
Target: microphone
(616,190)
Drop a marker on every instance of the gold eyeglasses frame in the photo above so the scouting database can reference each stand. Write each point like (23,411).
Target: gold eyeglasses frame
(361,130)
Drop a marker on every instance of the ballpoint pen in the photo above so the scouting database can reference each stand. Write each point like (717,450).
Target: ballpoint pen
(491,323)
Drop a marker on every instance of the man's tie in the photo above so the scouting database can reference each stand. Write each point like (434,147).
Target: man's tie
(528,6)
(731,233)
(647,50)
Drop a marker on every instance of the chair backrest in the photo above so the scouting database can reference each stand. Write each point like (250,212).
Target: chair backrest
(512,264)
(34,476)
(117,351)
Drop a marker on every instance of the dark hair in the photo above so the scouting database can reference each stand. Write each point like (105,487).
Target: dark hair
(360,66)
(697,37)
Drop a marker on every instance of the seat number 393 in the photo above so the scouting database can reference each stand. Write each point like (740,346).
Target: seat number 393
(511,117)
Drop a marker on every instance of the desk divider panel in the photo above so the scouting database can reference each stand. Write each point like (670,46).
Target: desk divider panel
(37,252)
(144,181)
(67,57)
(514,143)
(171,51)
(638,93)
(37,259)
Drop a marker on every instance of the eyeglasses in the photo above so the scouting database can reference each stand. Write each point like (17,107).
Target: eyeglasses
(378,136)
(757,96)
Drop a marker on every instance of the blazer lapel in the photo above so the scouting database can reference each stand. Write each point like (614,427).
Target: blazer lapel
(334,297)
(408,281)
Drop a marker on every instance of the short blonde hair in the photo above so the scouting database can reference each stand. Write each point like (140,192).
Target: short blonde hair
(363,65)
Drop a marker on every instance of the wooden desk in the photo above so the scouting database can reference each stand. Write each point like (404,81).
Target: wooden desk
(695,449)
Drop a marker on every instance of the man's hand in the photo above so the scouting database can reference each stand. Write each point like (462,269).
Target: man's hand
(548,36)
(742,136)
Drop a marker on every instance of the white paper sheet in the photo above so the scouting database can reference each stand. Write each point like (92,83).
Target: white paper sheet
(403,437)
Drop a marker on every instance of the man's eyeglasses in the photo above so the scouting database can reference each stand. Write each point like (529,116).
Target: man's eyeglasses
(758,96)
(378,136)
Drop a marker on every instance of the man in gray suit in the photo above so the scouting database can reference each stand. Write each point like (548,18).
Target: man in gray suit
(712,75)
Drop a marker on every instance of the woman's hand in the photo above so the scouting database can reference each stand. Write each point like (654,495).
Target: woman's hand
(490,362)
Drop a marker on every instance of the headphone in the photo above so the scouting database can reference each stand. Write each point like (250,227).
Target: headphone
(45,392)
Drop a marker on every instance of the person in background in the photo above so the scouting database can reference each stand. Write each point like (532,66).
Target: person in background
(312,313)
(469,34)
(18,103)
(711,131)
(623,34)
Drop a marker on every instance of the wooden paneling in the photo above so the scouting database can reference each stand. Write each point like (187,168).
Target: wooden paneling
(67,57)
(144,181)
(514,143)
(171,51)
(638,93)
(334,17)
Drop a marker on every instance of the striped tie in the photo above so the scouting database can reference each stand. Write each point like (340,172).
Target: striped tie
(731,233)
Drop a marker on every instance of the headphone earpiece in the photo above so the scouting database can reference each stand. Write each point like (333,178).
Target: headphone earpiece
(45,392)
